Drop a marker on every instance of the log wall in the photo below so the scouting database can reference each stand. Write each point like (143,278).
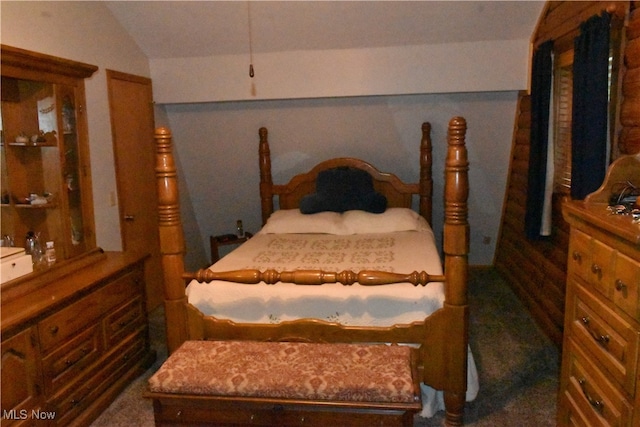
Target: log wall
(629,142)
(536,270)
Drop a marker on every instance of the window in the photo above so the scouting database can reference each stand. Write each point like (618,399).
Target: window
(562,101)
(562,93)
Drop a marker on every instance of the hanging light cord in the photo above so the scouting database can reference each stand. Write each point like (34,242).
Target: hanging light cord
(251,73)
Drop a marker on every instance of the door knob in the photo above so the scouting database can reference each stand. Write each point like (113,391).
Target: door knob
(129,217)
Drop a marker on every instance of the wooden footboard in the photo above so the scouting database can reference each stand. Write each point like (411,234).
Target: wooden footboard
(443,336)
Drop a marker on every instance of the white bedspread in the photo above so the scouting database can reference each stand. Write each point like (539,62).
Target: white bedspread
(400,252)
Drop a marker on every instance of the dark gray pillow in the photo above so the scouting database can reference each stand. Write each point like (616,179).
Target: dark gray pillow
(343,189)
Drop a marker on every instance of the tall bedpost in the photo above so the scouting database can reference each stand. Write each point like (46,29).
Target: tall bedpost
(266,182)
(171,240)
(456,250)
(426,179)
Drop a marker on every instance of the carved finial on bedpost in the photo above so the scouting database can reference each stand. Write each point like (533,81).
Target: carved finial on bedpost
(456,250)
(266,182)
(456,193)
(426,179)
(171,239)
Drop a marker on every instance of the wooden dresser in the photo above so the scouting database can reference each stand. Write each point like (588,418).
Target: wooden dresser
(73,340)
(600,360)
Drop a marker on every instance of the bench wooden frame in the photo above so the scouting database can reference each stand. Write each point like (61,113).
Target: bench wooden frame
(172,409)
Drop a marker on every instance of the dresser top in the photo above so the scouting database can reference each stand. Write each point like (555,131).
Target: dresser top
(34,298)
(599,216)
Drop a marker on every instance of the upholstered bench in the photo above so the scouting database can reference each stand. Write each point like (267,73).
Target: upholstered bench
(286,383)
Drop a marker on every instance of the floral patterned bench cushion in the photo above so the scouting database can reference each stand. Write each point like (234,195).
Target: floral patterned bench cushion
(289,370)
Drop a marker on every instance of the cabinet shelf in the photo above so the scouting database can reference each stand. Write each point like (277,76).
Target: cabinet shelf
(50,205)
(31,144)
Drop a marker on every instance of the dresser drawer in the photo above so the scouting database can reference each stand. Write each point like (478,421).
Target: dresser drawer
(626,281)
(56,328)
(606,335)
(601,269)
(68,361)
(124,321)
(589,393)
(580,254)
(82,393)
(591,260)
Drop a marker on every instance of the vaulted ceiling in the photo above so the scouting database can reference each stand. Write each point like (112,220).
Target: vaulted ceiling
(178,29)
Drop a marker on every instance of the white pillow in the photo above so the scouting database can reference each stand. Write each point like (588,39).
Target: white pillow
(289,221)
(293,221)
(391,220)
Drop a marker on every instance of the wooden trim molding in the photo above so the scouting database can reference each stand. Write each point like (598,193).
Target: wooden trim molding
(561,20)
(13,57)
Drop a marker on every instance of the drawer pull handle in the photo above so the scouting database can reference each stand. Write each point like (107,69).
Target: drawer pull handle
(130,319)
(125,322)
(620,285)
(603,340)
(598,405)
(576,256)
(596,269)
(76,402)
(54,330)
(84,352)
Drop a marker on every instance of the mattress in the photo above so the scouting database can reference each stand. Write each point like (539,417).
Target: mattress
(401,252)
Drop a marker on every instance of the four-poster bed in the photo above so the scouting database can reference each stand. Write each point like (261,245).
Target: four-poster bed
(440,334)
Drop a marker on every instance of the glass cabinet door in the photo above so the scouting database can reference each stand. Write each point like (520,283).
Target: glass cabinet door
(72,173)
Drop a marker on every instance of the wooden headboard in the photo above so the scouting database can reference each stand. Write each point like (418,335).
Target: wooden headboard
(398,193)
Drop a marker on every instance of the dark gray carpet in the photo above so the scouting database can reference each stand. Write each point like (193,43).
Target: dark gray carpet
(518,366)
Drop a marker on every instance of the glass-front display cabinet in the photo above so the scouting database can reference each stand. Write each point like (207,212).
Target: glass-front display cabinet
(46,179)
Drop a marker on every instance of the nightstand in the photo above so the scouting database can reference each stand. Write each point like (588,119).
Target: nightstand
(223,240)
